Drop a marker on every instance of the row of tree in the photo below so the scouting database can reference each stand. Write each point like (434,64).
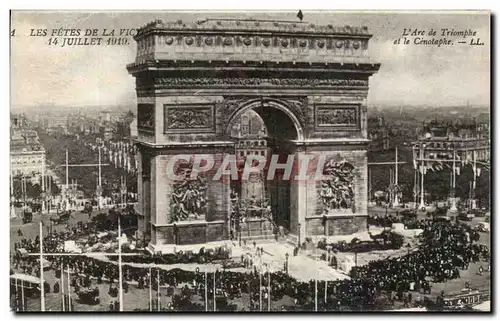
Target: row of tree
(33,190)
(86,177)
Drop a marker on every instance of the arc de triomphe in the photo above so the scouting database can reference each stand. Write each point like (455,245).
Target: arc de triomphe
(309,84)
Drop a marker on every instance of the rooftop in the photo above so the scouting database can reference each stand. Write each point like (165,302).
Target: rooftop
(253,25)
(23,148)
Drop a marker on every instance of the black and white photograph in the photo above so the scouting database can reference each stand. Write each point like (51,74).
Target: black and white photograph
(250,161)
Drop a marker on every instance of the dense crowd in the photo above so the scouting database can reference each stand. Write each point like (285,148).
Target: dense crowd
(181,257)
(404,216)
(446,248)
(383,241)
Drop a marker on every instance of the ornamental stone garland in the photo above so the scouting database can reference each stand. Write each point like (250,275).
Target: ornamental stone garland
(265,41)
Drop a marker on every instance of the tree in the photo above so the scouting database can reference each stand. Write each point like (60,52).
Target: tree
(54,189)
(129,117)
(34,191)
(437,185)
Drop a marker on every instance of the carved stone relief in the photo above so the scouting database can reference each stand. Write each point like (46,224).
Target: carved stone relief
(146,117)
(336,116)
(189,196)
(193,117)
(299,109)
(337,192)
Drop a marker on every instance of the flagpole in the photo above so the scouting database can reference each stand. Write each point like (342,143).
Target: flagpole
(17,294)
(473,191)
(99,200)
(316,294)
(390,188)
(450,195)
(120,273)
(215,301)
(69,290)
(269,291)
(415,187)
(260,290)
(62,288)
(326,290)
(43,175)
(396,201)
(42,288)
(453,201)
(67,171)
(22,295)
(43,183)
(206,291)
(23,192)
(158,293)
(150,292)
(422,167)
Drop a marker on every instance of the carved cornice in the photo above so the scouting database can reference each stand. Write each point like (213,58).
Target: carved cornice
(351,65)
(166,82)
(225,26)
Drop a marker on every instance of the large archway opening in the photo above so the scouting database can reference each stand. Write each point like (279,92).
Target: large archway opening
(264,130)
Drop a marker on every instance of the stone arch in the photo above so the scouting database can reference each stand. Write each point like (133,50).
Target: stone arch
(279,118)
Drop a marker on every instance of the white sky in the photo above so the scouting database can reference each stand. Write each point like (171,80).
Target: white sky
(410,75)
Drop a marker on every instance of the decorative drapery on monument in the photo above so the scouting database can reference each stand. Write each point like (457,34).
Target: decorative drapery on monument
(337,189)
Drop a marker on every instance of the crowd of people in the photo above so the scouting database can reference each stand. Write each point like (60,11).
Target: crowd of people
(384,241)
(445,249)
(181,257)
(384,221)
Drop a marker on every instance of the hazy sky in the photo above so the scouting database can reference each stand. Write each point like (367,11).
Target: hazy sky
(410,75)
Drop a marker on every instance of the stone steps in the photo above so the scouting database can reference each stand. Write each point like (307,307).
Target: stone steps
(255,230)
(257,234)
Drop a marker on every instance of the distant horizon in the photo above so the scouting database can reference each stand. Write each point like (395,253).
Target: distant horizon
(410,75)
(133,106)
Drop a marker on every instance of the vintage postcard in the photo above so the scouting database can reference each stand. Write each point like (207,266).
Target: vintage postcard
(252,161)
